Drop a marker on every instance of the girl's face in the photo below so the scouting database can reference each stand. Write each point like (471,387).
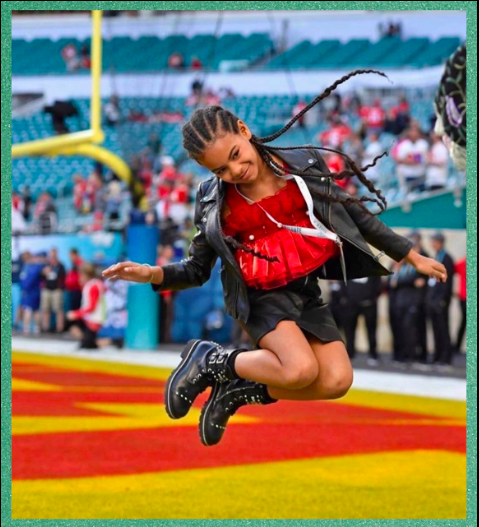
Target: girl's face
(232,157)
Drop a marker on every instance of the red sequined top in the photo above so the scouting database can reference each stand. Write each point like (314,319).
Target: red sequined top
(298,255)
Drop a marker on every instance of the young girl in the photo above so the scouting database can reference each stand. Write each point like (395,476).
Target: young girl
(278,222)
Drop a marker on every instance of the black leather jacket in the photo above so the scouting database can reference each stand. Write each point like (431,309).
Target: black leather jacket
(355,227)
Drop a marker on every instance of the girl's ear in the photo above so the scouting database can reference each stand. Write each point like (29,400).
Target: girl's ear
(244,130)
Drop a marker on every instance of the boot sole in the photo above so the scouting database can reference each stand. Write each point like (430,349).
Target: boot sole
(185,355)
(204,415)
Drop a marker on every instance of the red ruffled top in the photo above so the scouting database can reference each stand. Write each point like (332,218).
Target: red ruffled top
(298,255)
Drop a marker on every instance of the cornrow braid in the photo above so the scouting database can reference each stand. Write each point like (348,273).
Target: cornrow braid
(206,125)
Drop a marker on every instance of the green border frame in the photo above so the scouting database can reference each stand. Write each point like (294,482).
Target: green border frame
(471,10)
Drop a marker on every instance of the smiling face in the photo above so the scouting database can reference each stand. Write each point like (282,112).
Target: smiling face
(232,157)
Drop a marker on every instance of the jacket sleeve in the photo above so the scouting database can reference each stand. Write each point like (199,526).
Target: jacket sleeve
(194,270)
(374,231)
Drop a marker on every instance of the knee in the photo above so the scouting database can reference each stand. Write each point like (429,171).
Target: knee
(338,384)
(300,376)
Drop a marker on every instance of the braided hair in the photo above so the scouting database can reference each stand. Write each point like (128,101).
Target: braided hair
(208,124)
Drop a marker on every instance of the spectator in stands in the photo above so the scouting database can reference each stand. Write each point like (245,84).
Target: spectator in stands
(461,270)
(45,214)
(398,118)
(112,111)
(85,60)
(30,282)
(26,202)
(96,192)
(439,296)
(372,150)
(52,292)
(165,256)
(411,157)
(353,147)
(337,133)
(300,105)
(359,298)
(195,63)
(70,57)
(437,170)
(155,147)
(92,313)
(72,279)
(176,61)
(113,200)
(373,117)
(79,194)
(98,223)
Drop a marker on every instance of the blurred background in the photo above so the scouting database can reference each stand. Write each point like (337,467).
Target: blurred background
(99,175)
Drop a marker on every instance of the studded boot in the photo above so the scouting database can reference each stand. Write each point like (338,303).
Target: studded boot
(224,401)
(203,364)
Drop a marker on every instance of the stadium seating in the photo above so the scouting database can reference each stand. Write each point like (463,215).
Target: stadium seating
(150,53)
(266,113)
(43,56)
(387,52)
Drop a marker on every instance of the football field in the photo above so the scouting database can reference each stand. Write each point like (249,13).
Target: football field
(91,439)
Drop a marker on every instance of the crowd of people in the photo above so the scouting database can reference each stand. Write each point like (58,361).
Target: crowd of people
(54,299)
(413,300)
(421,157)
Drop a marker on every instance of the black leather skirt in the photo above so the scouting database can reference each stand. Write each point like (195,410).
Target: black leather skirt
(300,301)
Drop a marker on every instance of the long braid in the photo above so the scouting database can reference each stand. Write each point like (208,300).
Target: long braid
(206,125)
(356,171)
(318,99)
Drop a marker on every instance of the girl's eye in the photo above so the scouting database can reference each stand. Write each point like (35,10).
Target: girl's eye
(236,154)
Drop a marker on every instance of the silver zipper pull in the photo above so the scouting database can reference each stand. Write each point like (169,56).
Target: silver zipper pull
(343,262)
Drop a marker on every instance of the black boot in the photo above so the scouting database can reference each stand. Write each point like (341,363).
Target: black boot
(224,400)
(203,363)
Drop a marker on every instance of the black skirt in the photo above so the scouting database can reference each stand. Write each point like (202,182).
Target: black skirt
(299,301)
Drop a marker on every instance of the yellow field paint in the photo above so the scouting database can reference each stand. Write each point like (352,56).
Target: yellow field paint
(96,366)
(123,417)
(405,403)
(395,485)
(21,385)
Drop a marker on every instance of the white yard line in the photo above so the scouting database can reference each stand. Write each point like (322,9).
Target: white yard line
(378,381)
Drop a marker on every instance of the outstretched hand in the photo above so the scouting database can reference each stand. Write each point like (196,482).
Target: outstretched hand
(427,266)
(130,271)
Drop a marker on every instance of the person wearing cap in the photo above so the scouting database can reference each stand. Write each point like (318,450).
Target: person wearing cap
(439,296)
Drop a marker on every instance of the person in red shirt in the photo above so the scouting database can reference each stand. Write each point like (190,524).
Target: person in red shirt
(272,259)
(461,270)
(92,313)
(195,63)
(373,116)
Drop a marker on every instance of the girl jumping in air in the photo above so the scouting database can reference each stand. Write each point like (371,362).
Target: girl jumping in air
(278,222)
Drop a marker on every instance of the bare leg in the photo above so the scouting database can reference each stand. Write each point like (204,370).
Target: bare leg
(297,368)
(60,321)
(286,359)
(334,379)
(27,321)
(45,319)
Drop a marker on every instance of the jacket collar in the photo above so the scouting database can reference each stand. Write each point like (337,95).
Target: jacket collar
(303,161)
